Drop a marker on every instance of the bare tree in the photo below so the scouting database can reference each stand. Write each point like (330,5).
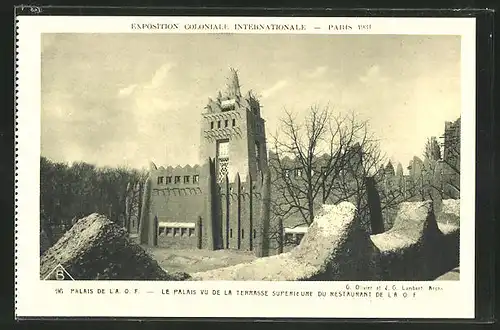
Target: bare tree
(323,159)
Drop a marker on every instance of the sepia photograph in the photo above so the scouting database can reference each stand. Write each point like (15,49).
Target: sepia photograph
(303,167)
(250,157)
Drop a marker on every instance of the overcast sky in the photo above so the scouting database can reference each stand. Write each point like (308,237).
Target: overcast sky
(125,99)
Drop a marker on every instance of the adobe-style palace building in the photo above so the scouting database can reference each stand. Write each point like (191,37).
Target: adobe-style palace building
(218,204)
(215,204)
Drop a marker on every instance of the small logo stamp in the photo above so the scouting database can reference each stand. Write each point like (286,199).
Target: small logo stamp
(59,273)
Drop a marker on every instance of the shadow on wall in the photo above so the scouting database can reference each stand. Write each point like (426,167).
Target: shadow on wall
(336,247)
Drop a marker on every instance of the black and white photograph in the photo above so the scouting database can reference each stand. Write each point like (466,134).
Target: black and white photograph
(250,157)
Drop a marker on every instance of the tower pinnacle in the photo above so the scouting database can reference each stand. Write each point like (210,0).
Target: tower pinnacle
(233,84)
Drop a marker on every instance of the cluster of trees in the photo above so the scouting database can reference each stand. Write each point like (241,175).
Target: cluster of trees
(69,192)
(329,157)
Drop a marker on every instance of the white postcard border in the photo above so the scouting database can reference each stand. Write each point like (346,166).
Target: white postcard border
(36,298)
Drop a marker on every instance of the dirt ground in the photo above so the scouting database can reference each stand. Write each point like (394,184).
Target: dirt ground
(194,260)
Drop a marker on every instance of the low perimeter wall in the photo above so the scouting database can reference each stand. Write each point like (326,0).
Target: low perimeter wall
(336,247)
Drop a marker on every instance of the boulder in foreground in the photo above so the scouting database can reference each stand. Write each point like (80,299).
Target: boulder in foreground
(334,248)
(97,249)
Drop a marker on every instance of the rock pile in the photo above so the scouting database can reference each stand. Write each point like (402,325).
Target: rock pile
(97,249)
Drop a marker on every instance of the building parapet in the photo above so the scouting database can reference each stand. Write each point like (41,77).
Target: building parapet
(179,176)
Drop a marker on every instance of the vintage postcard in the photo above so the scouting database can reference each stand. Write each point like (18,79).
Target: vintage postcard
(245,167)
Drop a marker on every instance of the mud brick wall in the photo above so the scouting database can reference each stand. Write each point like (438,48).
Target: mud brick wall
(416,247)
(336,247)
(177,195)
(229,210)
(450,213)
(239,202)
(448,220)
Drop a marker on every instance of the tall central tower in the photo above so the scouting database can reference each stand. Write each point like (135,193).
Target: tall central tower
(233,132)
